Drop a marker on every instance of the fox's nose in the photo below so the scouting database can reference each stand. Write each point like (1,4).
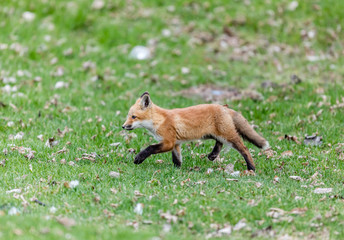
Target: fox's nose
(123,126)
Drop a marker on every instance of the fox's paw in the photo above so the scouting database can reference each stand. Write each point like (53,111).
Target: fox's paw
(212,156)
(139,159)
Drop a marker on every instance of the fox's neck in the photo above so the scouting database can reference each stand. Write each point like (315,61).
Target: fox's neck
(159,115)
(159,110)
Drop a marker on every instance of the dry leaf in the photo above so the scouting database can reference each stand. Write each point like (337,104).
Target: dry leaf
(40,137)
(181,212)
(147,222)
(287,153)
(17,190)
(290,138)
(138,194)
(96,199)
(51,142)
(235,174)
(269,153)
(313,140)
(322,190)
(113,190)
(275,212)
(67,222)
(298,211)
(139,209)
(169,217)
(258,184)
(182,183)
(114,174)
(297,178)
(229,168)
(225,231)
(114,205)
(276,179)
(240,225)
(247,173)
(115,144)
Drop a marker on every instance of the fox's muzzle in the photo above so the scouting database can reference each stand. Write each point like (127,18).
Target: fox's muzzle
(127,127)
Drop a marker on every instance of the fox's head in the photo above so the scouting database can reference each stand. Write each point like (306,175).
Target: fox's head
(140,113)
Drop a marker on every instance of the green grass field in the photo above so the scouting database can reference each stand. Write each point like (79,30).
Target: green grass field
(66,75)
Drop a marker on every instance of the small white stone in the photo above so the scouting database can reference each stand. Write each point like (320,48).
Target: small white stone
(140,53)
(8,89)
(115,144)
(114,174)
(10,124)
(185,70)
(293,5)
(74,183)
(19,136)
(7,80)
(53,210)
(98,4)
(13,211)
(138,209)
(28,16)
(166,32)
(61,84)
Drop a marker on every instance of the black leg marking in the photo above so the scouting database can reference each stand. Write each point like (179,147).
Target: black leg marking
(152,149)
(176,159)
(216,151)
(242,149)
(176,156)
(250,164)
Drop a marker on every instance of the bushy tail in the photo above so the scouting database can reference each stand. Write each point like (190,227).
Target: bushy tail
(247,131)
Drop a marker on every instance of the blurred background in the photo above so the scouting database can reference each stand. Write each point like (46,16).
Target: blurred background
(242,44)
(95,57)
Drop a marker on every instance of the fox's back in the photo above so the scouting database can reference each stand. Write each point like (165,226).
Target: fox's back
(198,121)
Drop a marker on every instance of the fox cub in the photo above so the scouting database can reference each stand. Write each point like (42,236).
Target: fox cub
(206,121)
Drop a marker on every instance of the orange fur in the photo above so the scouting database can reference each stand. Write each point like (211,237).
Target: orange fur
(174,126)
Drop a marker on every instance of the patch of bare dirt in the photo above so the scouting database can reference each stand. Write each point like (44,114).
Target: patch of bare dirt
(213,93)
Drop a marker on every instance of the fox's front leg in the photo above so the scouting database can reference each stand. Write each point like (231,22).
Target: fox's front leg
(177,156)
(153,149)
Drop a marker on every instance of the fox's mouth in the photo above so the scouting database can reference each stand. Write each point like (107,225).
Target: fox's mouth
(130,127)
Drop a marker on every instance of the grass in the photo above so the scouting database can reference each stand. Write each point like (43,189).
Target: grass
(95,110)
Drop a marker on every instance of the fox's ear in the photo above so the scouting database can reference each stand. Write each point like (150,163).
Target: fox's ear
(145,93)
(145,101)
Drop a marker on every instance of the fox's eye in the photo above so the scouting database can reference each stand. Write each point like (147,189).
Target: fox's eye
(133,117)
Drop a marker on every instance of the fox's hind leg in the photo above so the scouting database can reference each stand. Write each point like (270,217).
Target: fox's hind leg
(216,151)
(176,155)
(238,145)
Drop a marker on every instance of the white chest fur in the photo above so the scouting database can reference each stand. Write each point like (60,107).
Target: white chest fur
(148,124)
